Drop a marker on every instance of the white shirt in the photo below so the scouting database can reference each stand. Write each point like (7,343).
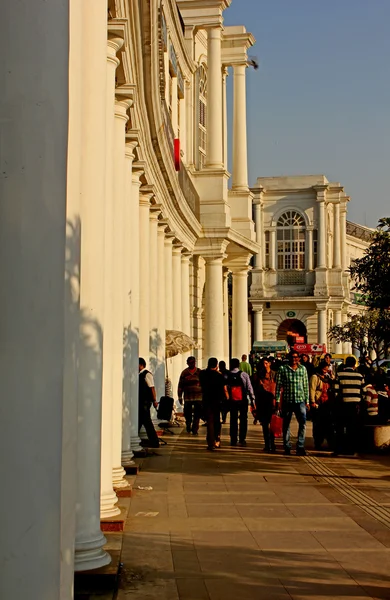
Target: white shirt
(148,378)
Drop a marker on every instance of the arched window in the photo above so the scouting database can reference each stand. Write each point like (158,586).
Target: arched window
(202,116)
(291,233)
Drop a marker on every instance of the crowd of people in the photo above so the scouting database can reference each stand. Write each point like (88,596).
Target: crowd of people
(338,401)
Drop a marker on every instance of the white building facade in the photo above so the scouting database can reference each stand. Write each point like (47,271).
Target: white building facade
(300,283)
(117,224)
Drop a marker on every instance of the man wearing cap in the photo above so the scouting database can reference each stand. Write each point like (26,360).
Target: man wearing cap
(190,389)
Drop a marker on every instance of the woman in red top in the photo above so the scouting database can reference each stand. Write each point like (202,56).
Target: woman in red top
(320,406)
(265,402)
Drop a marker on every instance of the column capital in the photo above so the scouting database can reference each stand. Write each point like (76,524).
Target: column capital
(321,192)
(257,307)
(129,150)
(145,198)
(210,247)
(321,306)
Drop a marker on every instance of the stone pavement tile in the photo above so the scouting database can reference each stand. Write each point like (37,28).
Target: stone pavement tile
(316,510)
(248,487)
(192,589)
(254,498)
(312,590)
(163,589)
(332,494)
(220,561)
(205,486)
(223,539)
(263,511)
(301,524)
(147,553)
(185,561)
(209,498)
(178,524)
(242,588)
(287,542)
(348,540)
(212,510)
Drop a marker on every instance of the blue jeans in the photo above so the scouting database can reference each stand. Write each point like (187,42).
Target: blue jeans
(299,410)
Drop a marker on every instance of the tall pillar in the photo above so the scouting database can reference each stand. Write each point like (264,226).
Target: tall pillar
(144,275)
(336,237)
(133,337)
(225,74)
(160,371)
(214,156)
(214,343)
(168,245)
(272,249)
(127,453)
(177,305)
(32,241)
(240,341)
(343,237)
(259,234)
(185,294)
(337,320)
(240,152)
(322,324)
(309,249)
(89,538)
(174,106)
(226,344)
(189,122)
(108,498)
(121,106)
(153,284)
(321,197)
(258,323)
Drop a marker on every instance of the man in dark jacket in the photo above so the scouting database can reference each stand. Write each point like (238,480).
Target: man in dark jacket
(147,398)
(214,393)
(239,387)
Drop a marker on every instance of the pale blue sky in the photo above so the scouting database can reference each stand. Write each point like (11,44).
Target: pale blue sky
(320,101)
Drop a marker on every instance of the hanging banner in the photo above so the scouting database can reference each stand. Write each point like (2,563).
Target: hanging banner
(176,153)
(310,348)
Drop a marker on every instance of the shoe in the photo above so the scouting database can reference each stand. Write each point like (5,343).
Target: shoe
(242,443)
(210,448)
(188,429)
(224,422)
(233,443)
(194,433)
(255,421)
(273,450)
(301,452)
(267,450)
(287,451)
(217,444)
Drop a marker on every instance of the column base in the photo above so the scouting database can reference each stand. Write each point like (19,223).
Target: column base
(118,481)
(135,445)
(90,555)
(127,458)
(107,505)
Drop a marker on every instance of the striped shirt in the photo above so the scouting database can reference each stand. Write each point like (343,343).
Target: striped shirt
(370,396)
(349,385)
(293,383)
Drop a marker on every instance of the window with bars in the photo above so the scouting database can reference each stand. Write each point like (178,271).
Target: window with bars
(202,116)
(291,234)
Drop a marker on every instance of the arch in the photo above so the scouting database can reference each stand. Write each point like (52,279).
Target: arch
(291,241)
(289,329)
(284,209)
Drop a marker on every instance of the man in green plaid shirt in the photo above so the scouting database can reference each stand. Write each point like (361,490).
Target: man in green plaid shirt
(292,384)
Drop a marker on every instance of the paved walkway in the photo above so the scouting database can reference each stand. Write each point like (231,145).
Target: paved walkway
(238,524)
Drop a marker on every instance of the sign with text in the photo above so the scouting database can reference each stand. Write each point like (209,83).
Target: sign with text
(299,340)
(310,348)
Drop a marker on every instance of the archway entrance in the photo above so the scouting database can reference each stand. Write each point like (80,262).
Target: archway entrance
(290,329)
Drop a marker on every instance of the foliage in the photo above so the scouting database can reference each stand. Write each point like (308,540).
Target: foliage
(368,331)
(371,273)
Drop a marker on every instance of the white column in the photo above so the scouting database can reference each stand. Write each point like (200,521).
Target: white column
(127,453)
(177,316)
(160,371)
(89,538)
(32,241)
(322,324)
(226,344)
(321,233)
(214,157)
(259,234)
(309,249)
(144,275)
(240,157)
(343,237)
(337,320)
(189,149)
(240,341)
(185,294)
(258,323)
(347,346)
(336,237)
(183,126)
(174,106)
(214,342)
(108,498)
(153,285)
(225,74)
(272,249)
(121,118)
(168,282)
(133,339)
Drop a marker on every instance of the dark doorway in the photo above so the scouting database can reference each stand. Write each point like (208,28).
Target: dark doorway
(290,329)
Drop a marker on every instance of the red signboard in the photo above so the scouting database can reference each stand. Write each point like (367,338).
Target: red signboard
(176,152)
(299,340)
(310,348)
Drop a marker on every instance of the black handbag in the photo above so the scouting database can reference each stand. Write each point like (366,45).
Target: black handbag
(165,408)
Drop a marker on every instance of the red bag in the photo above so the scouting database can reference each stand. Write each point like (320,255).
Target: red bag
(276,426)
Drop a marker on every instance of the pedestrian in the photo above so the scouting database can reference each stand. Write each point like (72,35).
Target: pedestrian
(328,361)
(321,406)
(265,389)
(370,399)
(349,387)
(146,398)
(293,384)
(225,403)
(244,366)
(239,387)
(190,389)
(310,368)
(213,392)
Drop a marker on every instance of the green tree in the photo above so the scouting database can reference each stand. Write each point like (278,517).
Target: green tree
(368,331)
(371,273)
